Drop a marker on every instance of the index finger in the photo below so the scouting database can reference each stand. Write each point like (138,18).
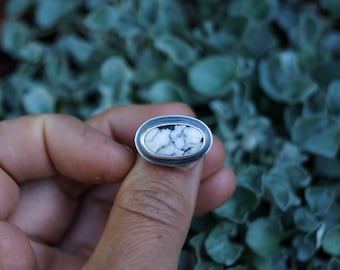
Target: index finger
(121,123)
(34,147)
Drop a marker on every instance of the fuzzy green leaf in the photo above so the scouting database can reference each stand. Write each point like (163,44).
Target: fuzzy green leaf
(319,198)
(256,10)
(14,36)
(319,134)
(102,18)
(283,80)
(213,76)
(49,13)
(38,100)
(207,265)
(220,248)
(263,237)
(19,7)
(334,264)
(259,39)
(327,167)
(330,243)
(305,248)
(238,208)
(332,6)
(251,178)
(162,91)
(115,72)
(80,49)
(304,220)
(282,180)
(177,50)
(333,98)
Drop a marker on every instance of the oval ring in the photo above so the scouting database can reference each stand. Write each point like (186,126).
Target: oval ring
(173,140)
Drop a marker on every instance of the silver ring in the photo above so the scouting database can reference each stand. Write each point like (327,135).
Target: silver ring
(173,140)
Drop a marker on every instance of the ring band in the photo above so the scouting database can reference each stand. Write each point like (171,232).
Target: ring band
(173,140)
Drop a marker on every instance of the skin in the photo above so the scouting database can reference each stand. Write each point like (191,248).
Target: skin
(76,195)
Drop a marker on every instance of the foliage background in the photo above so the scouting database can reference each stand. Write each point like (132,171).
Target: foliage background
(263,74)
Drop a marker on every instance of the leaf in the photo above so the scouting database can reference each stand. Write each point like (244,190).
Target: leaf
(213,76)
(263,237)
(102,18)
(319,134)
(331,240)
(290,154)
(148,12)
(170,17)
(333,6)
(238,267)
(239,206)
(255,132)
(125,22)
(305,221)
(334,264)
(197,242)
(327,167)
(319,199)
(38,100)
(251,178)
(14,36)
(56,68)
(178,51)
(333,98)
(80,49)
(162,91)
(256,10)
(220,248)
(297,175)
(282,79)
(208,265)
(259,39)
(311,28)
(115,72)
(18,7)
(91,4)
(32,52)
(186,260)
(305,248)
(282,180)
(48,13)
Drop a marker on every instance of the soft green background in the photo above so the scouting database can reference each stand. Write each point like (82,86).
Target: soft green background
(265,75)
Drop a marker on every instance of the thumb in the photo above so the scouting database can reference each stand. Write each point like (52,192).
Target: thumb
(150,218)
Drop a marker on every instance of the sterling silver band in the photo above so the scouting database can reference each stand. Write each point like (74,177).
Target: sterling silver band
(173,140)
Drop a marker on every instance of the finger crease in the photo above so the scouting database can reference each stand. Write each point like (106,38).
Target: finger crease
(47,150)
(150,217)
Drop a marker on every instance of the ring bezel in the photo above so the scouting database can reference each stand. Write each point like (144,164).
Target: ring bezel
(169,120)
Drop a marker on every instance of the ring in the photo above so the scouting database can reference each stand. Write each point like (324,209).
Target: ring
(173,140)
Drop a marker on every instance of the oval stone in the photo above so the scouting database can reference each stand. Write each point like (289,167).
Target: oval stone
(173,140)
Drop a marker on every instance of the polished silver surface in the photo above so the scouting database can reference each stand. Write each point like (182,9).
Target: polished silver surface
(173,140)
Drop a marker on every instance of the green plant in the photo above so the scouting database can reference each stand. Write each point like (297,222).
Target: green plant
(263,74)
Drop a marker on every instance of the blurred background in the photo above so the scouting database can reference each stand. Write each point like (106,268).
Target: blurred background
(264,75)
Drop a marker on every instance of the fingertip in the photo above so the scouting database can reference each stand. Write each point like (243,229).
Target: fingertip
(215,191)
(214,160)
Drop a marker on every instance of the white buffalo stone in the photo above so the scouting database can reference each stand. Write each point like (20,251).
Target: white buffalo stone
(174,140)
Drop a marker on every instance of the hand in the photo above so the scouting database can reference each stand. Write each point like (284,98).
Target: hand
(74,195)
